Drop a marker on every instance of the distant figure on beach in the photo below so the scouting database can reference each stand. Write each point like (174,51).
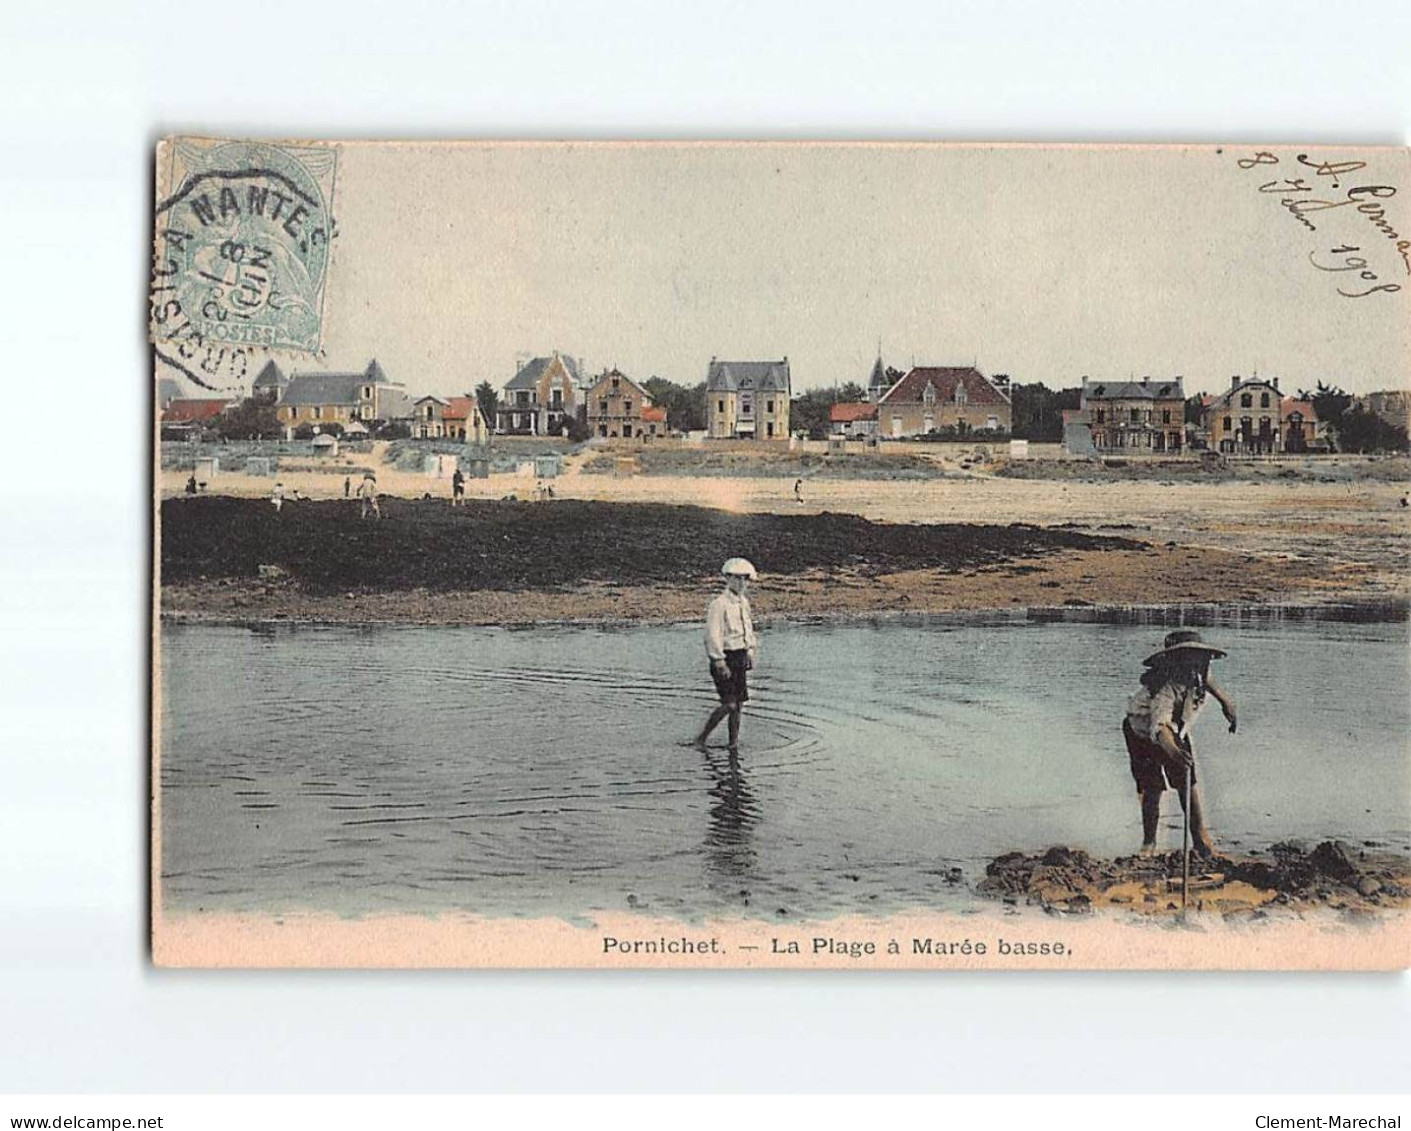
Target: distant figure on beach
(798,491)
(730,646)
(367,493)
(347,486)
(191,484)
(277,497)
(458,488)
(1157,730)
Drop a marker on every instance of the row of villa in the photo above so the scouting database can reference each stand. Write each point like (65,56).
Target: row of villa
(1251,417)
(750,400)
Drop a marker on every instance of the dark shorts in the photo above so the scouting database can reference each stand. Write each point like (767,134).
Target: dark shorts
(1152,767)
(732,685)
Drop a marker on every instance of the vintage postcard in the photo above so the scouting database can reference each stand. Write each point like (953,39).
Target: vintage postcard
(889,556)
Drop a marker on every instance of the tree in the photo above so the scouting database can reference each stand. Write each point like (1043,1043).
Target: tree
(685,404)
(251,418)
(850,392)
(1036,411)
(488,400)
(1329,402)
(1360,429)
(809,412)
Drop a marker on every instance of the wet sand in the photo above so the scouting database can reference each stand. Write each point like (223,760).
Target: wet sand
(1244,543)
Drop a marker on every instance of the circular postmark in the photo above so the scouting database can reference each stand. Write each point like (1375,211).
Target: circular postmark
(242,247)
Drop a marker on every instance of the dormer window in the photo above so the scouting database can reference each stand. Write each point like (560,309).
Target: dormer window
(928,395)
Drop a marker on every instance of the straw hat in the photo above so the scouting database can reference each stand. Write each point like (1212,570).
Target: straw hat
(1182,640)
(739,567)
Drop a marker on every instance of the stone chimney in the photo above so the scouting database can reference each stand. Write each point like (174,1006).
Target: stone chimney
(1276,384)
(1235,381)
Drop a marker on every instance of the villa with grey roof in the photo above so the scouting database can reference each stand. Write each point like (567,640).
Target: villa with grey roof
(337,398)
(542,397)
(1133,417)
(748,400)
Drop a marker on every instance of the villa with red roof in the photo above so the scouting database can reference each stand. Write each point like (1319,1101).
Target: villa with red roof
(854,421)
(654,420)
(463,419)
(183,417)
(932,398)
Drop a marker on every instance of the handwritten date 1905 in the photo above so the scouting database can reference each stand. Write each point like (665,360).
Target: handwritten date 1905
(1356,263)
(1295,195)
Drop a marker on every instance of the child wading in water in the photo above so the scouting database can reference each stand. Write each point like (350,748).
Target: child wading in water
(730,646)
(1158,727)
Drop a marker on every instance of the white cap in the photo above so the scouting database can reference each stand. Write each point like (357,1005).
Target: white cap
(738,567)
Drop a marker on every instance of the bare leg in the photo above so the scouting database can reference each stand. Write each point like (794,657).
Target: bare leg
(712,722)
(1151,816)
(1200,835)
(734,730)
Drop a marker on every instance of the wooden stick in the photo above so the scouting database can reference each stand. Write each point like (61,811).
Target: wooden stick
(1186,840)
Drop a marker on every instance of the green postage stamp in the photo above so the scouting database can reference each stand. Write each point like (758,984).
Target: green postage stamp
(241,250)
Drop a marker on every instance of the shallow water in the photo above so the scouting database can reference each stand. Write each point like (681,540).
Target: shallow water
(532,772)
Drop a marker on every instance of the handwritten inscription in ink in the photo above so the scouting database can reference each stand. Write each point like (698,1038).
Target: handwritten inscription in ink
(1314,194)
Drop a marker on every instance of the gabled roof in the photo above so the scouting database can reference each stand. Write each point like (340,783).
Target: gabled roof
(431,397)
(622,377)
(771,376)
(528,377)
(944,379)
(460,408)
(1290,405)
(325,388)
(847,413)
(1165,389)
(192,411)
(271,377)
(1248,386)
(654,412)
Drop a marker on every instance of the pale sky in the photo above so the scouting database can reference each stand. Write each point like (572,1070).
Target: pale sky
(1043,263)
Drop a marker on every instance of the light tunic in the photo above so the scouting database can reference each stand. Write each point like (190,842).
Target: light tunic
(1173,704)
(729,626)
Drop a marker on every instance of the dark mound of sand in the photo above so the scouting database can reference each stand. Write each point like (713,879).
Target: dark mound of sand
(1334,875)
(324,547)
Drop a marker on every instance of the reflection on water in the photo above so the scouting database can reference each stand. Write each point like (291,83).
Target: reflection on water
(733,815)
(539,771)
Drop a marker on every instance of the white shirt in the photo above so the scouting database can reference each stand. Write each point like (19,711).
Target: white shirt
(729,626)
(1148,711)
